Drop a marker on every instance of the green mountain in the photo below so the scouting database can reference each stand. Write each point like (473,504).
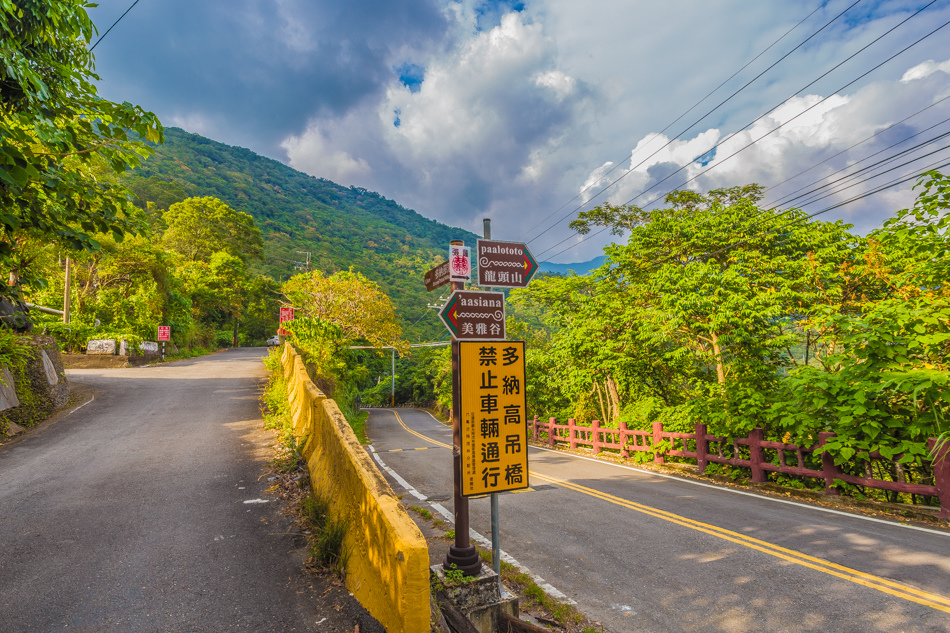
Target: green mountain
(341,227)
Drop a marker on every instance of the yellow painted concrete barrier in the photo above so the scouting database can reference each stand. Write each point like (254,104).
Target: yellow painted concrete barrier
(388,569)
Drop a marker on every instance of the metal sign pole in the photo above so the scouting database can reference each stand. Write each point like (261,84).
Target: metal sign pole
(462,553)
(495,531)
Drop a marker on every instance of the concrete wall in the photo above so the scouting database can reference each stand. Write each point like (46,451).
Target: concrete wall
(388,569)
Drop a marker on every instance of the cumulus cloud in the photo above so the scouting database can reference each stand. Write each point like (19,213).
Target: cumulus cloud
(520,111)
(484,120)
(806,142)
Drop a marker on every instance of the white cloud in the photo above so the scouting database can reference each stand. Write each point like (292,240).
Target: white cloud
(921,71)
(313,152)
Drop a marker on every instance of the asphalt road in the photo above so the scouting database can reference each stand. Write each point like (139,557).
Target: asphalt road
(640,552)
(146,510)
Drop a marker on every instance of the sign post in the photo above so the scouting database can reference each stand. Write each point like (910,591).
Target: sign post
(286,314)
(462,554)
(164,334)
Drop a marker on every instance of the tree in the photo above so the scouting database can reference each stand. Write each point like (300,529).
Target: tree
(55,130)
(200,227)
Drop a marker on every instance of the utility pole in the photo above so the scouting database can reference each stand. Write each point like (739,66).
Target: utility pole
(66,292)
(462,553)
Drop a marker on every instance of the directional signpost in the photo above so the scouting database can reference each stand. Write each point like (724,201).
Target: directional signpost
(437,277)
(504,264)
(473,315)
(489,429)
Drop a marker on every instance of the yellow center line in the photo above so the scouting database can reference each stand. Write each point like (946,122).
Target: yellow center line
(884,585)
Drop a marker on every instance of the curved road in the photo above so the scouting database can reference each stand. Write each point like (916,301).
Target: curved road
(145,510)
(641,552)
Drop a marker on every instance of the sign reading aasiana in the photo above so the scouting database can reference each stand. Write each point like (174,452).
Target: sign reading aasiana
(504,264)
(471,315)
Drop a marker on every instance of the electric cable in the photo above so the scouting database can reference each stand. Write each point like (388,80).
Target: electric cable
(789,197)
(113,26)
(674,121)
(689,127)
(865,140)
(850,57)
(890,185)
(806,110)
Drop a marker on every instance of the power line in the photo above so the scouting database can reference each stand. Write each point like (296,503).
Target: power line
(808,109)
(113,26)
(865,140)
(890,185)
(693,107)
(877,39)
(670,141)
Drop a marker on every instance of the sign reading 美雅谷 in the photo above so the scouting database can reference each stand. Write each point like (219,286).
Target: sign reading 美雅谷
(473,315)
(494,429)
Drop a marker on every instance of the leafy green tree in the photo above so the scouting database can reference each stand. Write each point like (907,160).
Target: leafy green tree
(200,227)
(54,130)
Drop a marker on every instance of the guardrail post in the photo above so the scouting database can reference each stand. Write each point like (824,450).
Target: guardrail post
(551,430)
(595,436)
(622,435)
(657,438)
(702,448)
(534,429)
(571,433)
(828,468)
(756,437)
(941,467)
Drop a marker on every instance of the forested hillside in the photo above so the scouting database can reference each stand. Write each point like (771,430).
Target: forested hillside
(340,226)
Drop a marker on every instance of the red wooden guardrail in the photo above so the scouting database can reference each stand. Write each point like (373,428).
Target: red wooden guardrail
(696,446)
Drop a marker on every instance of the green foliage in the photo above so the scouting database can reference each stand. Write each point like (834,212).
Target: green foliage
(808,330)
(200,228)
(57,135)
(341,227)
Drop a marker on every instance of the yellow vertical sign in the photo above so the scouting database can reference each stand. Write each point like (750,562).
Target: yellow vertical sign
(493,424)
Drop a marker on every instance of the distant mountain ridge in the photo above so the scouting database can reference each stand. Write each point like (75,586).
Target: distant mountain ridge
(341,227)
(581,268)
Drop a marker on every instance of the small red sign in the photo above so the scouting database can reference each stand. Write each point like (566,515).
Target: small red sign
(286,314)
(164,332)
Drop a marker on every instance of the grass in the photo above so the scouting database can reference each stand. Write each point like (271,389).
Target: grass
(328,529)
(327,548)
(425,514)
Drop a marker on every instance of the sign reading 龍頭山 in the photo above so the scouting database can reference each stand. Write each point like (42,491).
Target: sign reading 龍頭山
(504,264)
(473,315)
(493,426)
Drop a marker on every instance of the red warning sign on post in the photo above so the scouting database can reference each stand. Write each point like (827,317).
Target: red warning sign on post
(286,314)
(164,333)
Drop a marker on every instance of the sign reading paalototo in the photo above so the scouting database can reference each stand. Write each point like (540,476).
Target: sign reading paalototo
(437,277)
(471,315)
(494,430)
(504,264)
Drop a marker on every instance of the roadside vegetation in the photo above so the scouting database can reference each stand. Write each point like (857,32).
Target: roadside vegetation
(718,311)
(325,529)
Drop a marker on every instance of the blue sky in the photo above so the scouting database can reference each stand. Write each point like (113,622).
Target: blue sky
(510,110)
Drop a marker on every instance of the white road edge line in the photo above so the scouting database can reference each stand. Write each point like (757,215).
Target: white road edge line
(475,536)
(81,406)
(747,494)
